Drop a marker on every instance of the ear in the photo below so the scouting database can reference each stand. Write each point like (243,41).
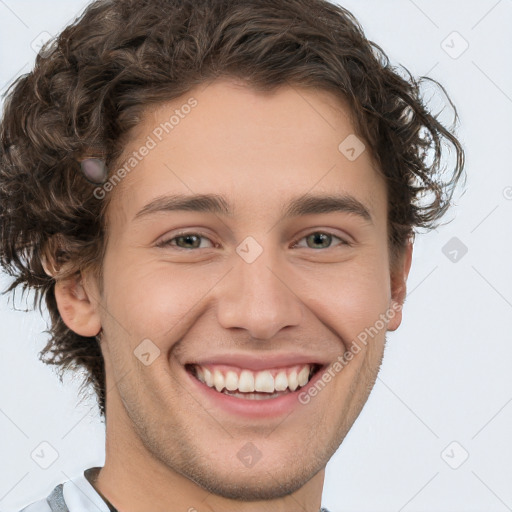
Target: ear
(399,276)
(77,307)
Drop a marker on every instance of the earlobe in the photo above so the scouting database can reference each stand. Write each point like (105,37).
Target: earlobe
(76,307)
(399,288)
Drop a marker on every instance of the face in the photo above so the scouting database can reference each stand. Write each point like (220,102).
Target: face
(244,290)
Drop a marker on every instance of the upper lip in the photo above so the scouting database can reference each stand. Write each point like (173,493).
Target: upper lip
(258,362)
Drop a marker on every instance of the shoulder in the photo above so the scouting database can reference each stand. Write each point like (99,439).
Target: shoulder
(43,505)
(37,506)
(74,495)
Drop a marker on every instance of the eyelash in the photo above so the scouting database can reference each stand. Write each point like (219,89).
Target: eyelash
(167,243)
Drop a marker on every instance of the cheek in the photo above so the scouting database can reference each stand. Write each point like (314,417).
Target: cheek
(156,300)
(350,297)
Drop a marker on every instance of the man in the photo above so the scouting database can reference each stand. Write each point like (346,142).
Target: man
(217,200)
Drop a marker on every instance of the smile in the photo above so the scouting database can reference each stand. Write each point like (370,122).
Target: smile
(254,385)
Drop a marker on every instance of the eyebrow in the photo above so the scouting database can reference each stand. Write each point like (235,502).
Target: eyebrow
(308,204)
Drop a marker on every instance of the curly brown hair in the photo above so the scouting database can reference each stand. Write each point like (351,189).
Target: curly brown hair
(90,86)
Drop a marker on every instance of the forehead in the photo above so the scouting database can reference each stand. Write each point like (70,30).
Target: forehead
(255,148)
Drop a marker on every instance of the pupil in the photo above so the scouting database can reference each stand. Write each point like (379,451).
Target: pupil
(188,238)
(324,236)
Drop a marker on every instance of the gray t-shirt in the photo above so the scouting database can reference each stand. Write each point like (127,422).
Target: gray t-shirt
(77,495)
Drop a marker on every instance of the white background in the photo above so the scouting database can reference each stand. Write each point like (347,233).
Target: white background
(446,374)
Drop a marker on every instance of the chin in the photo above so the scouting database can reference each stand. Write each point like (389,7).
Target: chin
(262,485)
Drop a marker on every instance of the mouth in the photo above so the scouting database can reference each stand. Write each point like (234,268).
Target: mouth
(246,384)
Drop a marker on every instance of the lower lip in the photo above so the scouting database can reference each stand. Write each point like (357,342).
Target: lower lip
(266,408)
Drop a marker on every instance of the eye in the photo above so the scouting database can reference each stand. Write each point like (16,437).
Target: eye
(188,241)
(321,238)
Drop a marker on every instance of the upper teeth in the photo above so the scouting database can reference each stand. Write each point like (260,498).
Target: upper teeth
(247,381)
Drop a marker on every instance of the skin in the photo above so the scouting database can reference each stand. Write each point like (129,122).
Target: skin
(167,448)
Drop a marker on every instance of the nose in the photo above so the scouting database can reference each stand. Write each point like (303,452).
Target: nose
(258,297)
